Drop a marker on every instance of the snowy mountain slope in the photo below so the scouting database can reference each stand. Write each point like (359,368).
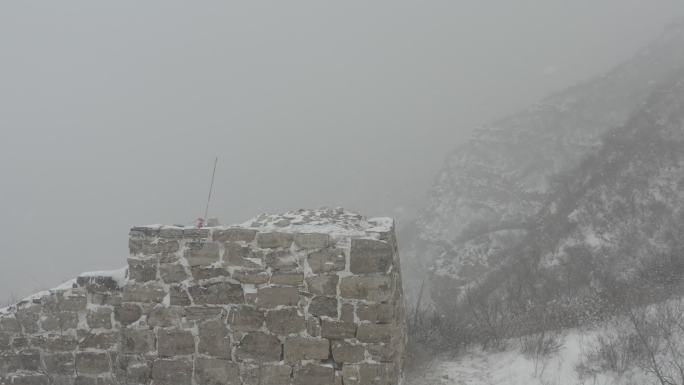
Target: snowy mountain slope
(484,198)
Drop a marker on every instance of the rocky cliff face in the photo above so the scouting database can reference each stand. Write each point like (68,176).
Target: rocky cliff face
(307,298)
(491,189)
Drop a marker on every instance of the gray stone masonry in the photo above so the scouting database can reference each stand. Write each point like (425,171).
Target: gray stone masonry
(311,297)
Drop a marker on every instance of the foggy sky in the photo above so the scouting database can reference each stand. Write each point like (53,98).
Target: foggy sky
(111,112)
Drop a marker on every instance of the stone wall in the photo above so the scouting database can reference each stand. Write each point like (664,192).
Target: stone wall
(308,297)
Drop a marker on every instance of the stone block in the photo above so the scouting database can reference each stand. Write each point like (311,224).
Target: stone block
(314,374)
(59,363)
(337,330)
(202,313)
(201,253)
(285,321)
(306,348)
(172,272)
(59,321)
(28,318)
(163,316)
(103,341)
(175,342)
(10,325)
(271,297)
(178,296)
(323,306)
(370,256)
(327,260)
(137,341)
(171,232)
(127,313)
(220,293)
(369,288)
(313,326)
(253,277)
(287,278)
(196,233)
(152,247)
(29,359)
(211,371)
(92,363)
(376,313)
(100,318)
(205,272)
(312,240)
(347,352)
(260,347)
(58,343)
(98,284)
(245,319)
(367,332)
(143,293)
(235,234)
(172,372)
(28,379)
(275,374)
(274,240)
(142,270)
(214,339)
(324,284)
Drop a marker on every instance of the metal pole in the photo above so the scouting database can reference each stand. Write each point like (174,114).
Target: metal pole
(211,188)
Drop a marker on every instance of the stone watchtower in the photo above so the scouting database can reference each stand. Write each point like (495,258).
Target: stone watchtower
(303,298)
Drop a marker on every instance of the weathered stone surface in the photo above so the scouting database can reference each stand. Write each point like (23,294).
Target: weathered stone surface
(206,272)
(376,313)
(221,293)
(271,297)
(235,234)
(370,288)
(196,233)
(57,342)
(97,284)
(214,339)
(285,321)
(313,326)
(327,260)
(10,325)
(275,374)
(202,313)
(370,256)
(346,352)
(28,379)
(313,374)
(59,363)
(235,254)
(142,270)
(88,340)
(143,293)
(323,306)
(127,313)
(306,348)
(337,330)
(178,296)
(60,321)
(137,341)
(28,318)
(152,247)
(324,284)
(251,276)
(175,342)
(245,319)
(92,363)
(375,332)
(201,253)
(274,240)
(29,359)
(172,372)
(172,272)
(211,371)
(100,318)
(312,240)
(164,316)
(171,233)
(260,347)
(287,278)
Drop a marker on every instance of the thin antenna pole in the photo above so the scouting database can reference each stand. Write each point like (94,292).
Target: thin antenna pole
(211,188)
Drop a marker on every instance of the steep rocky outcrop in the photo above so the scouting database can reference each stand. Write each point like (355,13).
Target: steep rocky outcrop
(487,196)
